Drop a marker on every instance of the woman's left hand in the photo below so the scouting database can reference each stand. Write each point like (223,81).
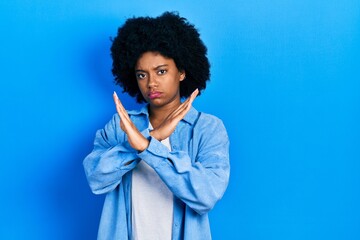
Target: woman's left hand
(136,139)
(167,127)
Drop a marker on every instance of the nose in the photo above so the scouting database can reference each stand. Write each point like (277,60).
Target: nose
(152,83)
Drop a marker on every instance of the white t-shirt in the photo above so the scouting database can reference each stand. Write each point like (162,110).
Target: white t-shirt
(152,204)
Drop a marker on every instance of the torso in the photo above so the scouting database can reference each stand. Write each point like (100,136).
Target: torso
(152,204)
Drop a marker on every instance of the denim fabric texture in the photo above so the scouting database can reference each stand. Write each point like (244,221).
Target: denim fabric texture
(196,170)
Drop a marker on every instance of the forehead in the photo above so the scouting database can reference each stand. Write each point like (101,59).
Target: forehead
(151,60)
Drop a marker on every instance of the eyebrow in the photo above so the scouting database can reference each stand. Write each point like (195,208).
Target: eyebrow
(155,68)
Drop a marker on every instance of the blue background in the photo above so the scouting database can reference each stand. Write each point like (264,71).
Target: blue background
(285,80)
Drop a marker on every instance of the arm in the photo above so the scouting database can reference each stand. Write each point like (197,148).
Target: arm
(200,183)
(110,159)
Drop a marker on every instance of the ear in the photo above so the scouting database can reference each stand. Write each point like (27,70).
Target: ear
(182,75)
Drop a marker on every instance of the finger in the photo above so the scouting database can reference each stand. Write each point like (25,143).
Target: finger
(184,104)
(120,109)
(193,96)
(178,110)
(119,105)
(125,122)
(184,108)
(117,101)
(187,103)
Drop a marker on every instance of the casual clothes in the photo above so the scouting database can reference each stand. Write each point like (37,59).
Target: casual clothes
(149,194)
(196,171)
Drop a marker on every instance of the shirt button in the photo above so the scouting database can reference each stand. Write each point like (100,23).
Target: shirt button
(174,147)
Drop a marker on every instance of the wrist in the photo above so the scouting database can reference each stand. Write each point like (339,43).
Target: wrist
(143,146)
(155,134)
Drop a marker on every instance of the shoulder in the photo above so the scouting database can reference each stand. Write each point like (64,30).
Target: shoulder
(210,127)
(209,120)
(200,119)
(210,133)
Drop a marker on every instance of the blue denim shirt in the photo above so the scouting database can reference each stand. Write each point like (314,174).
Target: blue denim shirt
(196,171)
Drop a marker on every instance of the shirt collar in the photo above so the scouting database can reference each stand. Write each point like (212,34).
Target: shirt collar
(190,117)
(142,110)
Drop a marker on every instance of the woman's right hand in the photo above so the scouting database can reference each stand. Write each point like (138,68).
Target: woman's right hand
(136,139)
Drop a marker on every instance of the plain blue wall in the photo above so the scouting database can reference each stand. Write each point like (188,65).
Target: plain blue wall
(285,80)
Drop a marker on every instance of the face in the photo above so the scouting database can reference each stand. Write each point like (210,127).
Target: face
(159,80)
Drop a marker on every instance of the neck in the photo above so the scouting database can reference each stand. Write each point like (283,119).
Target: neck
(159,114)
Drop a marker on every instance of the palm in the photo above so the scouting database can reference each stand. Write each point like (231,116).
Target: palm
(167,127)
(164,130)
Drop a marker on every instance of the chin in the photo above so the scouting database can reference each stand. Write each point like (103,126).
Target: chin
(156,104)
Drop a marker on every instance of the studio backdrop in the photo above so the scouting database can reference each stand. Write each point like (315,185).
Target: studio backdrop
(285,79)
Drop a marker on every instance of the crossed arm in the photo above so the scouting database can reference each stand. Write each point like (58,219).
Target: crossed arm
(198,183)
(166,128)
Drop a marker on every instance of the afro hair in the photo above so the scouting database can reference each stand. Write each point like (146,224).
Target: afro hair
(170,35)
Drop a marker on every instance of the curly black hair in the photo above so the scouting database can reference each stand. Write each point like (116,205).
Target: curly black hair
(170,35)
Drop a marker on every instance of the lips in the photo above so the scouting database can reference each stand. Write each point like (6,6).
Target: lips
(153,95)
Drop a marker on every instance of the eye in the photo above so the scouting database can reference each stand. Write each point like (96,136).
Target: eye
(162,72)
(140,76)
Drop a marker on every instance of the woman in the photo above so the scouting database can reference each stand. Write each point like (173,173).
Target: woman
(165,166)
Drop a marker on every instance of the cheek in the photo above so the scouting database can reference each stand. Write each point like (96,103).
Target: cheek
(141,85)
